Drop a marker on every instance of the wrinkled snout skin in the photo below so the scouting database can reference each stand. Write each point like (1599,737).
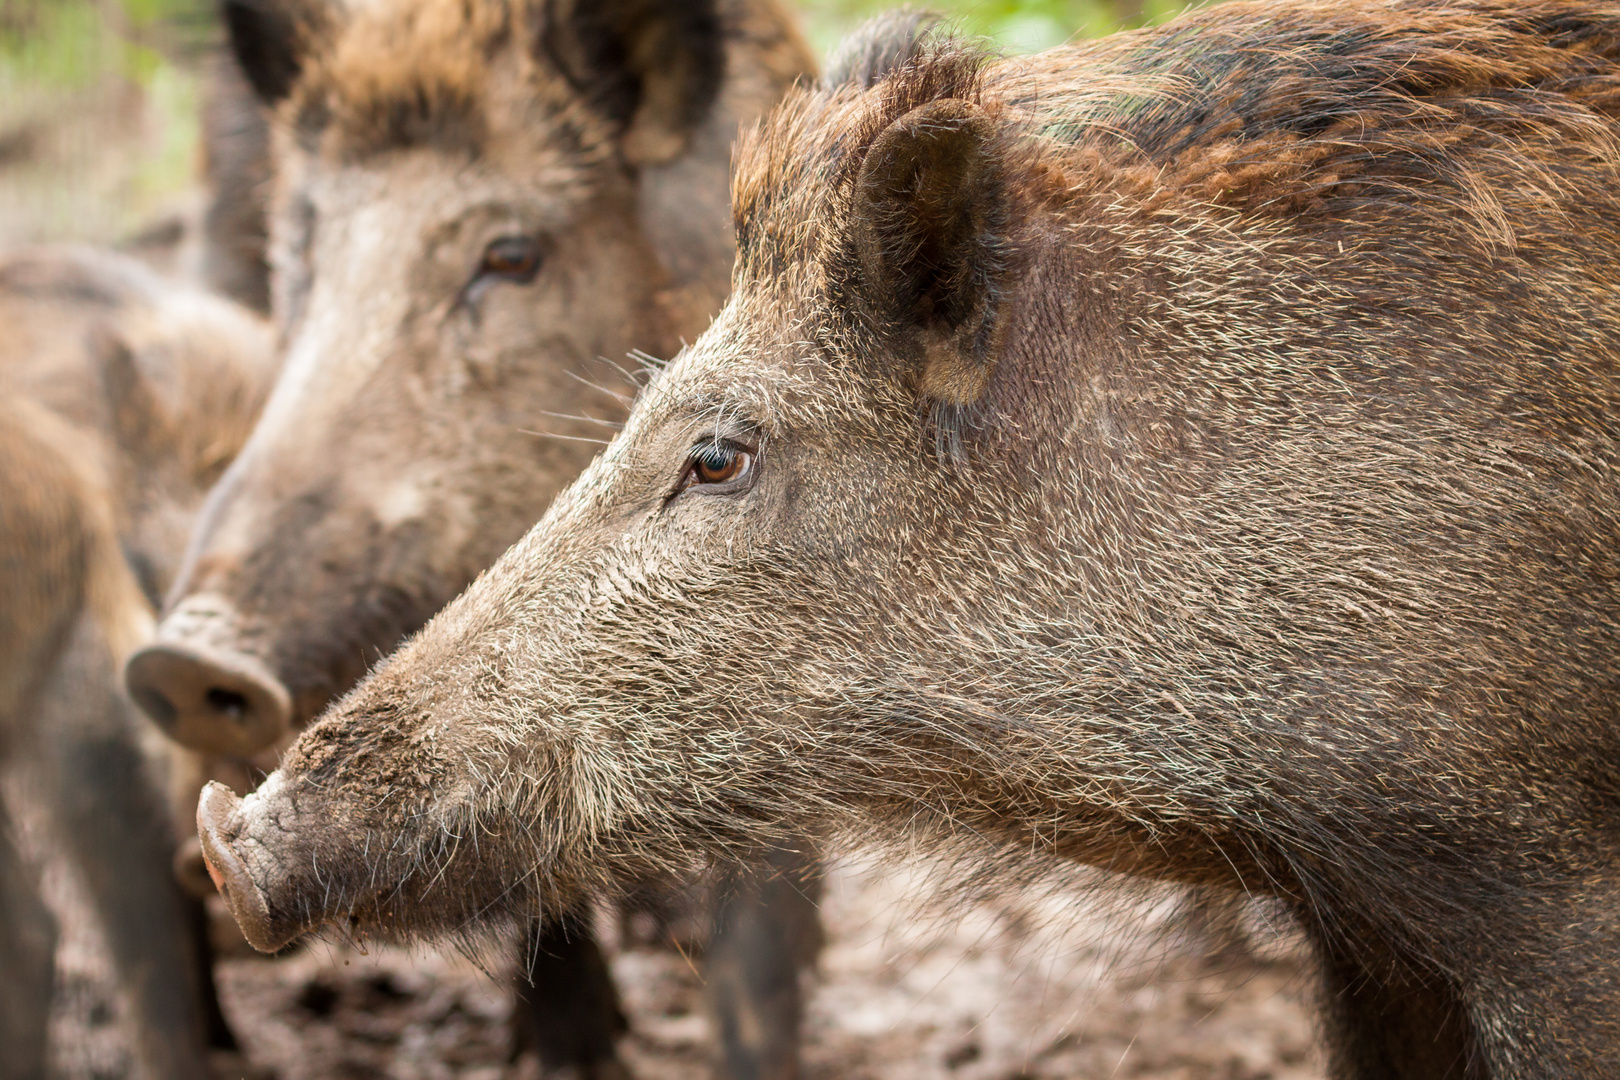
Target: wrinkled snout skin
(1104,456)
(237,862)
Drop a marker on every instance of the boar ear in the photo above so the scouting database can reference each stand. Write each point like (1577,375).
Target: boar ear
(654,66)
(139,419)
(268,40)
(929,224)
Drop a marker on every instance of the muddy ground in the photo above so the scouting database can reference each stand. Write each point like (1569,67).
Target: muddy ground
(908,988)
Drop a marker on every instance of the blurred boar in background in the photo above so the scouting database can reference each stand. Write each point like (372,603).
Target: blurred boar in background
(1192,453)
(122,398)
(473,202)
(237,168)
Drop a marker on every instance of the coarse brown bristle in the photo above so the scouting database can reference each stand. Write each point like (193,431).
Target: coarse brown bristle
(403,74)
(1321,110)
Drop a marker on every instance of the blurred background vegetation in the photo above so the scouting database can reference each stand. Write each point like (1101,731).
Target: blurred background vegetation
(99,98)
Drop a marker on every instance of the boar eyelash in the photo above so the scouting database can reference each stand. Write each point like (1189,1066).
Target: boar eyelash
(622,399)
(612,425)
(752,447)
(565,438)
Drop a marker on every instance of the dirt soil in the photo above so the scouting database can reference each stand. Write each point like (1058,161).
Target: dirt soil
(1048,986)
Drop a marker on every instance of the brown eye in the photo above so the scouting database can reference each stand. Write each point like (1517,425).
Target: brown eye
(718,463)
(512,258)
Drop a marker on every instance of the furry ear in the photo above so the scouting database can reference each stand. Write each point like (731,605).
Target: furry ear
(929,223)
(655,66)
(267,39)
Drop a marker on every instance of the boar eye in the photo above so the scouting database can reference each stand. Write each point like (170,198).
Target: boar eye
(511,258)
(717,463)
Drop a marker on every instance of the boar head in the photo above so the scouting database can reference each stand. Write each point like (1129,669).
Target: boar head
(474,203)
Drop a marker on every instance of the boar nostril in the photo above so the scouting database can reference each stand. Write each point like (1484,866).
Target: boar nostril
(227,703)
(209,699)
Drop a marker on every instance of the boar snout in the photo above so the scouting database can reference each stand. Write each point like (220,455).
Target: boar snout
(218,704)
(205,694)
(222,821)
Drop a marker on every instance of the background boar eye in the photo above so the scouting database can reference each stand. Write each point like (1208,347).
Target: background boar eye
(511,258)
(717,463)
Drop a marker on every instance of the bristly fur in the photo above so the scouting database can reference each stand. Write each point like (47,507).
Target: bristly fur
(1301,112)
(460,109)
(399,76)
(1268,538)
(428,73)
(1313,117)
(879,47)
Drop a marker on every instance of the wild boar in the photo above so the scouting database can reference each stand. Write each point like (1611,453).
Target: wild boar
(473,202)
(1191,453)
(122,397)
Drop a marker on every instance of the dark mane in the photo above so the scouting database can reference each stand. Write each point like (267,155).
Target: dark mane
(1285,107)
(409,75)
(1280,109)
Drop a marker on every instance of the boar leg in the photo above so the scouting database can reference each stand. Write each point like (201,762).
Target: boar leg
(1393,1023)
(1530,992)
(115,822)
(567,1007)
(766,931)
(187,775)
(216,1029)
(27,952)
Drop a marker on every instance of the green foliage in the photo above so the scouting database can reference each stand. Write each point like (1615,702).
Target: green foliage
(153,12)
(58,45)
(1019,26)
(69,44)
(98,113)
(99,98)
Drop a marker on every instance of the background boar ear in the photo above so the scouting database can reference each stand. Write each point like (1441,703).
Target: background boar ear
(267,38)
(139,419)
(872,51)
(929,223)
(654,66)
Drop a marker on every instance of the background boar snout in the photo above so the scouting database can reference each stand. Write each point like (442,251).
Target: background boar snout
(209,700)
